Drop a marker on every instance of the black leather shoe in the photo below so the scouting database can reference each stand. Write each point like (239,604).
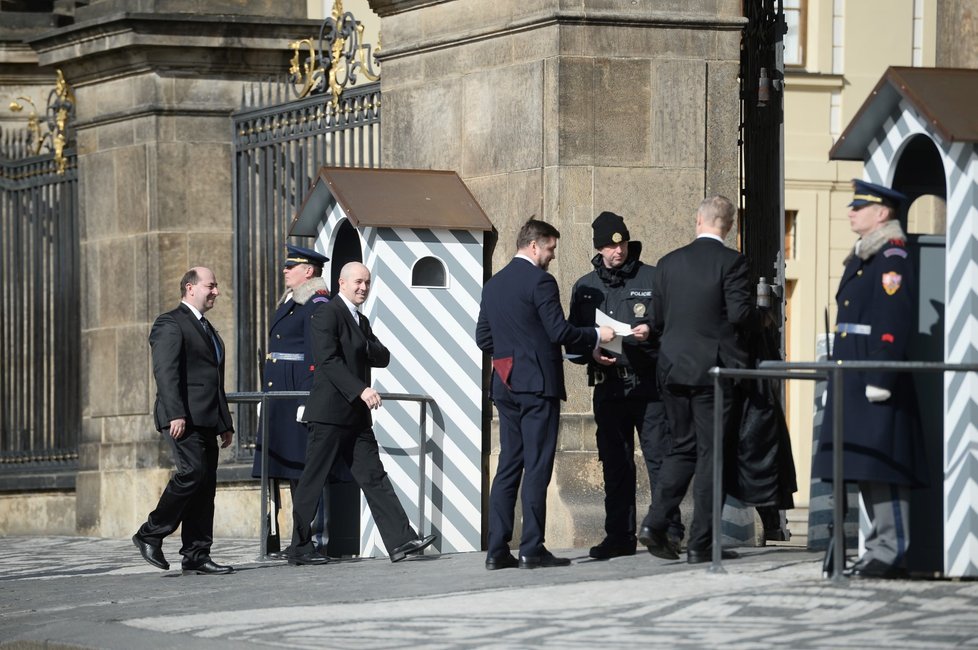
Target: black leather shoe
(411,548)
(503,562)
(612,547)
(207,568)
(307,558)
(542,561)
(152,554)
(699,557)
(657,544)
(875,569)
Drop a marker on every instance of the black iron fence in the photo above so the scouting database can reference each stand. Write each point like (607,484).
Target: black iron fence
(40,333)
(278,151)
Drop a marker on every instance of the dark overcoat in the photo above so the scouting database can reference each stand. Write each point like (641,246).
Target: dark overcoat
(289,335)
(876,311)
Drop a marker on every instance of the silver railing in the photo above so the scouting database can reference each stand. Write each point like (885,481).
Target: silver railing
(263,398)
(811,371)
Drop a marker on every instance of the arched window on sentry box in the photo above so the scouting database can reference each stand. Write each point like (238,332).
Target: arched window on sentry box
(429,273)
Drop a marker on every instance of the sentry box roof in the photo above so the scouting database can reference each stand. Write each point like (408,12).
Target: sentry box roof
(945,97)
(393,198)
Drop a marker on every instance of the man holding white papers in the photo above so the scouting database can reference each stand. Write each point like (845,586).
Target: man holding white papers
(618,293)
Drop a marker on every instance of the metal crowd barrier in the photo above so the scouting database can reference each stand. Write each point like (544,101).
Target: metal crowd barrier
(813,370)
(262,398)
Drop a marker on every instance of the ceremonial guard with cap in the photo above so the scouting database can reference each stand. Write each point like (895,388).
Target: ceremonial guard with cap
(288,367)
(625,398)
(882,446)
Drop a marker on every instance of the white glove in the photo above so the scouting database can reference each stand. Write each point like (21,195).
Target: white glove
(877,394)
(299,412)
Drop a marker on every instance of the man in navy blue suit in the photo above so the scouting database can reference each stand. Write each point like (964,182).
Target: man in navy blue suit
(522,325)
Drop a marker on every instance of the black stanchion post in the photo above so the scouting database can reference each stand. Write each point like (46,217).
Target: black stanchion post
(263,548)
(716,565)
(422,453)
(838,481)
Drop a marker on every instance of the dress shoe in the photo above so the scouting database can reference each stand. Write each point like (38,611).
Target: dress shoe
(699,557)
(875,569)
(207,568)
(543,561)
(502,562)
(657,544)
(307,558)
(152,554)
(613,547)
(412,547)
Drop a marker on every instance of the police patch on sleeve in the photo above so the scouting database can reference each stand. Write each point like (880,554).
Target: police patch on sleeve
(639,310)
(891,282)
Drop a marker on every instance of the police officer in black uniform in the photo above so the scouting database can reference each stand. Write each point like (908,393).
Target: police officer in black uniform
(882,444)
(288,367)
(625,397)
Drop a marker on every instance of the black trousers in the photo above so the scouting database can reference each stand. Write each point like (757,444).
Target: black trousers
(359,449)
(690,413)
(188,498)
(527,443)
(618,419)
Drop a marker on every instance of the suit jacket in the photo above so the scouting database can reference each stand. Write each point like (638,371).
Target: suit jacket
(700,304)
(343,353)
(189,375)
(520,319)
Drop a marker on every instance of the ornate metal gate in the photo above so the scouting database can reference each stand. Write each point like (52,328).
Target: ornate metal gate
(40,333)
(283,134)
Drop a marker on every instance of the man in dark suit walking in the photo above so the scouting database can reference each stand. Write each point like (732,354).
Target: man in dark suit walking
(701,303)
(344,349)
(521,324)
(192,410)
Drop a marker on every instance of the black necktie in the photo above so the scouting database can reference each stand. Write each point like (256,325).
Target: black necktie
(210,332)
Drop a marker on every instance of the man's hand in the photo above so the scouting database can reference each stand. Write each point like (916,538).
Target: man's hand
(601,359)
(606,334)
(177,428)
(640,332)
(226,439)
(371,397)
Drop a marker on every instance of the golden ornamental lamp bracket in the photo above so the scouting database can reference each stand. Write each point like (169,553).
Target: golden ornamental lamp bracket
(341,56)
(58,117)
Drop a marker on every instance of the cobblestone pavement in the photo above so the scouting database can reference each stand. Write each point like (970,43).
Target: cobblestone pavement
(74,592)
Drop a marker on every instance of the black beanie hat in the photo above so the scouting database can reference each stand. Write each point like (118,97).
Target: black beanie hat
(609,228)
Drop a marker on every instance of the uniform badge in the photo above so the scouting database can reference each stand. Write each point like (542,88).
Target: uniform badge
(891,282)
(639,310)
(616,237)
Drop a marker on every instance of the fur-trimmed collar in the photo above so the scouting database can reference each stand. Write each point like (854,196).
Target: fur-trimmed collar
(308,289)
(874,241)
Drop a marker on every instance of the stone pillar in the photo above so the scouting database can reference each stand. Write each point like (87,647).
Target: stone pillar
(563,109)
(155,84)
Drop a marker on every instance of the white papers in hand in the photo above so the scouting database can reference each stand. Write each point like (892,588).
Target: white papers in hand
(621,329)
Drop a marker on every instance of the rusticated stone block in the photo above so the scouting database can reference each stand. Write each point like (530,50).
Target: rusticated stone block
(509,200)
(678,122)
(622,104)
(99,365)
(116,259)
(723,120)
(134,370)
(132,198)
(423,127)
(46,513)
(502,113)
(576,111)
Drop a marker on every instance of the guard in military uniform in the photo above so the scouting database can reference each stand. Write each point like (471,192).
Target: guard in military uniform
(288,367)
(883,449)
(625,398)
